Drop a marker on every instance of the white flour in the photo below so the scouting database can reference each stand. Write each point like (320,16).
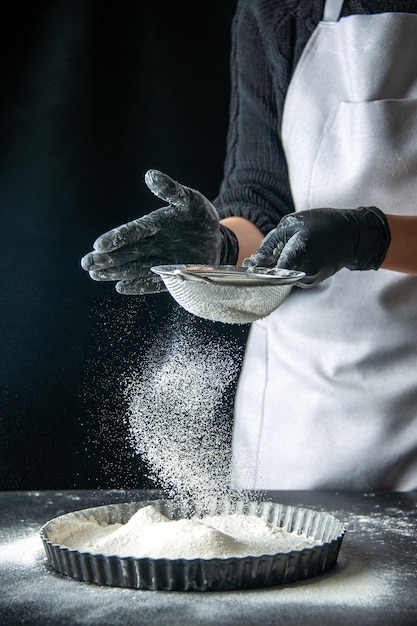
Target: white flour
(179,416)
(150,534)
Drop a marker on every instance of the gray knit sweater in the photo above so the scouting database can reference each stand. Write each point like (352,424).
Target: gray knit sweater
(268,37)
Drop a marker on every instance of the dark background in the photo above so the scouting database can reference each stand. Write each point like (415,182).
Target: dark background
(92,95)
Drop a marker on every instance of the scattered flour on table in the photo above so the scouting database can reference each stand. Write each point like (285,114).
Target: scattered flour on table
(149,533)
(20,552)
(179,412)
(383,525)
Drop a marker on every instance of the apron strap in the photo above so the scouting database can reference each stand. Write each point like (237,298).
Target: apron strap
(332,10)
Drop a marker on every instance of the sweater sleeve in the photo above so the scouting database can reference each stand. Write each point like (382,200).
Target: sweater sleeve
(267,38)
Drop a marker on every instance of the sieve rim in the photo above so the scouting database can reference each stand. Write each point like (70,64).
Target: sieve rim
(229,275)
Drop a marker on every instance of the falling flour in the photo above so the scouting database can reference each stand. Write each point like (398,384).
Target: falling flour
(149,533)
(179,412)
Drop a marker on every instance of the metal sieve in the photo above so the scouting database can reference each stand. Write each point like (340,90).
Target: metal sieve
(228,293)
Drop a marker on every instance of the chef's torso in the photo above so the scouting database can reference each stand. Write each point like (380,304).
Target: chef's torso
(328,393)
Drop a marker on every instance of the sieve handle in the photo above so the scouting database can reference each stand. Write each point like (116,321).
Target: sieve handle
(191,277)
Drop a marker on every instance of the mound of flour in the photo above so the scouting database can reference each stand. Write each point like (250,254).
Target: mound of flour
(150,534)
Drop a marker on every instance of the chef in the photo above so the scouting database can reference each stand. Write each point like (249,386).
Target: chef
(320,176)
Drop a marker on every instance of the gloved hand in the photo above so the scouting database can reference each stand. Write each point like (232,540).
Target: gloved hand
(186,231)
(320,242)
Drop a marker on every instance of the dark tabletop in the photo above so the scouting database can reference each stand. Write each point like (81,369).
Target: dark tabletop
(374,581)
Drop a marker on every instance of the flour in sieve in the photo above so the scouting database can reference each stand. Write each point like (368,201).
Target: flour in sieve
(179,412)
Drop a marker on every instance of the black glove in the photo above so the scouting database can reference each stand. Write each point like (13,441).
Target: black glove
(186,231)
(320,242)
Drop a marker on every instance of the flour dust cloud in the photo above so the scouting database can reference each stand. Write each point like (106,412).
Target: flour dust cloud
(179,410)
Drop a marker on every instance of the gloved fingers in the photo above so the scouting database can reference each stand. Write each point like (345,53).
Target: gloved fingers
(134,252)
(88,261)
(102,260)
(176,194)
(129,233)
(259,259)
(297,255)
(310,281)
(140,286)
(267,253)
(293,254)
(134,269)
(276,249)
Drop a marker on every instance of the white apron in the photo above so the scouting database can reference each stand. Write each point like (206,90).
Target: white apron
(327,397)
